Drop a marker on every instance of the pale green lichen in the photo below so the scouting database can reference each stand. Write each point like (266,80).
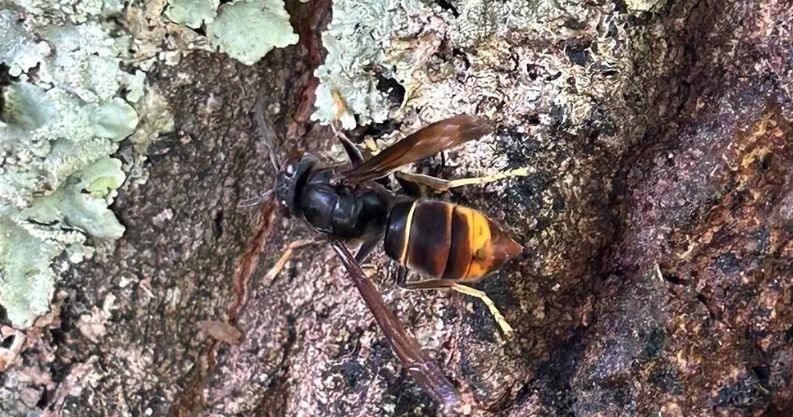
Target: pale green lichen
(156,117)
(248,29)
(114,120)
(51,134)
(644,5)
(135,86)
(69,10)
(18,49)
(33,237)
(58,126)
(27,282)
(245,30)
(82,202)
(79,88)
(447,60)
(87,60)
(358,41)
(368,41)
(192,13)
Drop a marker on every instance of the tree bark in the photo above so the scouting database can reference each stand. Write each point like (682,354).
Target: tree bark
(659,281)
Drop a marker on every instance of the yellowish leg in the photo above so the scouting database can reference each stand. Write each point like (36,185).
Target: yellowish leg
(285,257)
(502,322)
(517,172)
(436,284)
(444,185)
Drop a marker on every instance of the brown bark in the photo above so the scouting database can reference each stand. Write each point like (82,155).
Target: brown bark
(660,281)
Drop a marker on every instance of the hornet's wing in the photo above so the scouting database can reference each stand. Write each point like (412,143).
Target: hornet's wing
(419,365)
(427,141)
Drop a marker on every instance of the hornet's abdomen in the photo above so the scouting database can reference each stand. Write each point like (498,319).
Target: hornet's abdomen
(444,240)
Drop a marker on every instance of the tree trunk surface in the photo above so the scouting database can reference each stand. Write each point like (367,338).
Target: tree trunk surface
(659,280)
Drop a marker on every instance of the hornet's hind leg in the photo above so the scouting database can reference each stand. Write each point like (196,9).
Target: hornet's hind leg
(440,185)
(437,284)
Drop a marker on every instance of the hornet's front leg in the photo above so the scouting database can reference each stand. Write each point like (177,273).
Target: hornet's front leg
(353,153)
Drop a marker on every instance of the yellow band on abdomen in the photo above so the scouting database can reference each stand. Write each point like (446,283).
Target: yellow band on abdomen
(480,245)
(408,223)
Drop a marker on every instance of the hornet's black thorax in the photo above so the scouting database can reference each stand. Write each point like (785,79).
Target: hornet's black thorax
(340,210)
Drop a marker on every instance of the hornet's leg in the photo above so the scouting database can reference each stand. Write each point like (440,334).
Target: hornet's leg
(285,257)
(411,188)
(439,184)
(370,241)
(352,151)
(436,284)
(473,292)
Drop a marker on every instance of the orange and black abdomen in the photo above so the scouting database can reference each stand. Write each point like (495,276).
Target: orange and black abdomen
(444,240)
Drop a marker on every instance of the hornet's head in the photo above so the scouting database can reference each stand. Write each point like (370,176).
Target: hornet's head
(292,176)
